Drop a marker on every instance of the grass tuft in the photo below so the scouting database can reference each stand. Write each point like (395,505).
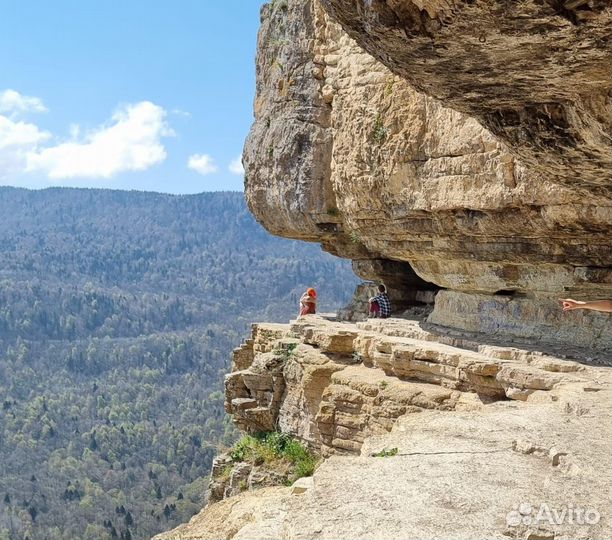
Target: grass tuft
(379,131)
(276,450)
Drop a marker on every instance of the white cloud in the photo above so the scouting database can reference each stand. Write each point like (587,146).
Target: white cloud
(236,167)
(202,163)
(130,142)
(181,112)
(17,138)
(13,102)
(19,134)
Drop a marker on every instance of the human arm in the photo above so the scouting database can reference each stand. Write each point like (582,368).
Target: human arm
(594,305)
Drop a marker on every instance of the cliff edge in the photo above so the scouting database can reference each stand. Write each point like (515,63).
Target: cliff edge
(422,439)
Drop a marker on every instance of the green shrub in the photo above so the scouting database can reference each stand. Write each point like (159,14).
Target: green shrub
(286,351)
(305,461)
(275,447)
(387,453)
(242,449)
(225,474)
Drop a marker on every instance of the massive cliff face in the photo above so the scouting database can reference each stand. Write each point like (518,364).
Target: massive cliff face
(490,181)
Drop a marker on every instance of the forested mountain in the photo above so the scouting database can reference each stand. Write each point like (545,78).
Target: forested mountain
(118,311)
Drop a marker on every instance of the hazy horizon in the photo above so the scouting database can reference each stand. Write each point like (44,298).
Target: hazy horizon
(127,190)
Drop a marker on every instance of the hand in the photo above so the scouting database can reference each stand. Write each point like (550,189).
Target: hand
(569,304)
(594,305)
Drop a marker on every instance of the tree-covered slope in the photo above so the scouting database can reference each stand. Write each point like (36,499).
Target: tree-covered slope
(118,311)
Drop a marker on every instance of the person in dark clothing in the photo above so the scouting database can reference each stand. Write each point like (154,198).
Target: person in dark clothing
(380,305)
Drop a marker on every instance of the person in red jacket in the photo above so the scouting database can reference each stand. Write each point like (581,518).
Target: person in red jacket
(308,302)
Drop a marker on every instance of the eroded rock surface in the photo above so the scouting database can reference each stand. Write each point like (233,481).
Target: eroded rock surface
(536,73)
(475,437)
(344,151)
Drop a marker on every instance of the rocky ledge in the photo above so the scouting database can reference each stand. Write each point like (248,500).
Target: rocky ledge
(425,435)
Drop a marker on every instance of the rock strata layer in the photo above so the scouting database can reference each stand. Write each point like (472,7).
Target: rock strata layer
(334,384)
(507,192)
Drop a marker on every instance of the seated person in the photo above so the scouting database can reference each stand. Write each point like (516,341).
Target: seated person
(308,302)
(380,306)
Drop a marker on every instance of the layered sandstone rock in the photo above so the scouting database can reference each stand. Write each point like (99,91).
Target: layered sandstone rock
(474,431)
(346,152)
(334,384)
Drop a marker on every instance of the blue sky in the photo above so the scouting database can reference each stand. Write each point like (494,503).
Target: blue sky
(150,95)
